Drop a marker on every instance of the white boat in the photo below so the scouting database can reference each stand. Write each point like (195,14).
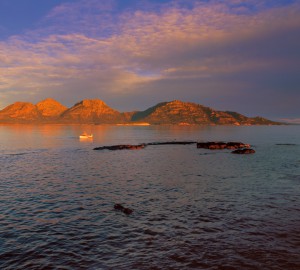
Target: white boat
(86,136)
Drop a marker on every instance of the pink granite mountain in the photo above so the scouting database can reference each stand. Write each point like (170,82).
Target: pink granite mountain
(91,111)
(95,111)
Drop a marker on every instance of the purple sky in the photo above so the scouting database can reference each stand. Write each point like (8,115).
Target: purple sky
(230,55)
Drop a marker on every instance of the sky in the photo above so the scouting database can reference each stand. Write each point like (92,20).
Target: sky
(232,55)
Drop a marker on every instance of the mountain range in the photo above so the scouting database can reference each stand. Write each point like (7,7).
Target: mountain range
(95,111)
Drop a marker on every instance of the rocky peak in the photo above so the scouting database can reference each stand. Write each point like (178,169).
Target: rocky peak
(176,101)
(50,108)
(93,104)
(92,111)
(174,112)
(22,111)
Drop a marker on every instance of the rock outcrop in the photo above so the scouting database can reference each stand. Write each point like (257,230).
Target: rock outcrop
(243,151)
(222,145)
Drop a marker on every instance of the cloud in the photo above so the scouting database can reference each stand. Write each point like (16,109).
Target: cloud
(190,50)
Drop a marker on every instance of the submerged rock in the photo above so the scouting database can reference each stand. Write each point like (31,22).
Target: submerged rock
(118,206)
(121,147)
(243,151)
(140,146)
(222,145)
(286,144)
(127,211)
(172,142)
(123,209)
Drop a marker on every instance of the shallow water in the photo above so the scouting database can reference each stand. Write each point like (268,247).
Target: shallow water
(193,208)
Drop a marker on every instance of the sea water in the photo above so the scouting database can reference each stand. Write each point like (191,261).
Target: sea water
(193,208)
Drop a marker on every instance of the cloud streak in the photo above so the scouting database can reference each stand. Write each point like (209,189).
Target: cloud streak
(219,54)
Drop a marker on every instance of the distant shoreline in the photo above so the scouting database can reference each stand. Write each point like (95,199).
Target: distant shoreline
(95,111)
(140,125)
(134,124)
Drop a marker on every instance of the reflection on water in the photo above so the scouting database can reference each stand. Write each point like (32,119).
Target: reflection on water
(193,208)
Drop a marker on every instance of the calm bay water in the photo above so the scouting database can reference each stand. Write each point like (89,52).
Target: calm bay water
(193,208)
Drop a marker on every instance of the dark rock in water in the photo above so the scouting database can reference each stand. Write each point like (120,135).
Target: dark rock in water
(125,210)
(118,206)
(205,145)
(222,145)
(140,146)
(172,142)
(236,145)
(287,144)
(121,147)
(211,145)
(243,151)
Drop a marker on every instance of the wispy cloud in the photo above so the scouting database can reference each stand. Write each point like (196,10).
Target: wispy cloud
(211,49)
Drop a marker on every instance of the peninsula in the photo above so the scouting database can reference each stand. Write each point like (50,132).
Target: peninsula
(95,111)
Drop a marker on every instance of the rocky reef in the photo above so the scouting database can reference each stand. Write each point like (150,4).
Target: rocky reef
(222,145)
(140,146)
(172,143)
(238,147)
(121,147)
(243,151)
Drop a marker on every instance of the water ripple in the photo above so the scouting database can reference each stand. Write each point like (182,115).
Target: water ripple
(191,210)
